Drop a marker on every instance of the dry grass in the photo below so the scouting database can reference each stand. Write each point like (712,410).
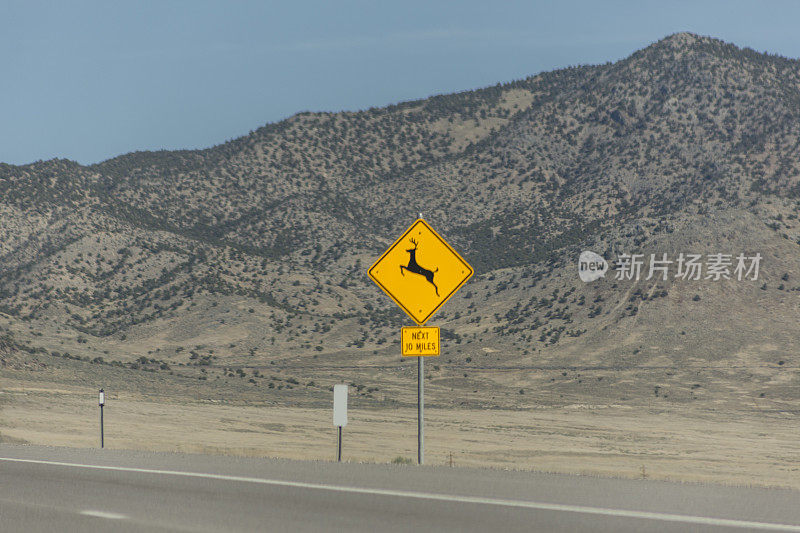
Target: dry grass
(679,444)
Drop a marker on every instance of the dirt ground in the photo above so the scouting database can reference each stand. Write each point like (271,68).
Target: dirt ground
(683,445)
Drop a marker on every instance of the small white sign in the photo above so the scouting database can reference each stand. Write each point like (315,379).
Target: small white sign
(340,405)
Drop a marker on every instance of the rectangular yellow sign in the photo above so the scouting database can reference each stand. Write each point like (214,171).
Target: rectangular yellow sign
(420,342)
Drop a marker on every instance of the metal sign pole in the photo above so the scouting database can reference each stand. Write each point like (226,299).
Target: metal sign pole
(420,408)
(101,400)
(340,444)
(420,412)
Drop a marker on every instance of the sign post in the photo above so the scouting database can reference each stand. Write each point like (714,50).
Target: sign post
(340,412)
(420,286)
(420,342)
(420,412)
(102,401)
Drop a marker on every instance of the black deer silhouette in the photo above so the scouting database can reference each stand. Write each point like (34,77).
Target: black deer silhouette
(414,268)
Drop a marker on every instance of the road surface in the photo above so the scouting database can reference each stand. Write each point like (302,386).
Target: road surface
(63,489)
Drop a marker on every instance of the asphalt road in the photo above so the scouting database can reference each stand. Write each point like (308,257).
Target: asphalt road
(62,489)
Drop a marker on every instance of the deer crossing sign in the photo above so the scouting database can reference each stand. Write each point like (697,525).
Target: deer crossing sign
(420,272)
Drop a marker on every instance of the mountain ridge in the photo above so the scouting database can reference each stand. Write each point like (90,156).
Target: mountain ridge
(252,254)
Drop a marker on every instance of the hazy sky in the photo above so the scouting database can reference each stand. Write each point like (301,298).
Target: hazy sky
(90,80)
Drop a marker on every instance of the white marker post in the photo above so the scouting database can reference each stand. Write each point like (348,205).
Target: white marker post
(102,402)
(340,411)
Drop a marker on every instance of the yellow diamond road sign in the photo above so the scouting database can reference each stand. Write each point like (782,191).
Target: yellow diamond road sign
(420,271)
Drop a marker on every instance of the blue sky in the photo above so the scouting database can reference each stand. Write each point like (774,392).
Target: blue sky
(90,80)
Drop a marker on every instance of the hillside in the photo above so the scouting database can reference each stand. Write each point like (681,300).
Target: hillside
(240,271)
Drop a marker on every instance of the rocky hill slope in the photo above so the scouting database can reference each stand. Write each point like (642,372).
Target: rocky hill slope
(242,267)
